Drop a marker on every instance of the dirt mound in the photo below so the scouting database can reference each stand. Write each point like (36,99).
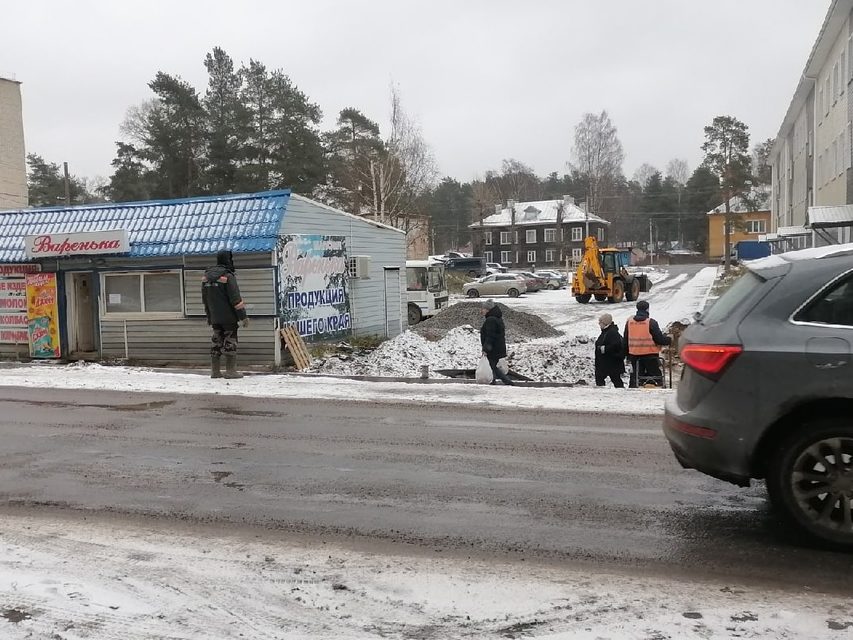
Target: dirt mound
(520,326)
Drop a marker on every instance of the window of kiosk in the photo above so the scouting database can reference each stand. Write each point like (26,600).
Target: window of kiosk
(148,294)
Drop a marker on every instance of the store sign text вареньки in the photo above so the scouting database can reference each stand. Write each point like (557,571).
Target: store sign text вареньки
(57,245)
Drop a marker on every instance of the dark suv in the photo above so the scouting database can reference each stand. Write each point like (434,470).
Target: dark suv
(767,389)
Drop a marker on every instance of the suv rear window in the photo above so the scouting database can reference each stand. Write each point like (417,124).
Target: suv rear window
(736,294)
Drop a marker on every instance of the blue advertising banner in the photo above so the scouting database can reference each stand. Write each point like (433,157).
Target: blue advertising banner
(313,294)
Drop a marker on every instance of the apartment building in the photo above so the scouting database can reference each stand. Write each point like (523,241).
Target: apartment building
(13,167)
(811,158)
(546,233)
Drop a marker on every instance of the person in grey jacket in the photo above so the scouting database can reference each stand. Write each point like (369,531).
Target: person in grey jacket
(225,311)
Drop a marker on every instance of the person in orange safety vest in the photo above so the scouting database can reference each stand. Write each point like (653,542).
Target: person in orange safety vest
(643,340)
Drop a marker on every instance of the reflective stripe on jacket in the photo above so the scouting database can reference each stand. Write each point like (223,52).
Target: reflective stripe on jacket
(640,341)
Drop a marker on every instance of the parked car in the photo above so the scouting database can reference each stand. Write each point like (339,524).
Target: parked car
(767,389)
(553,279)
(496,268)
(534,282)
(474,267)
(499,284)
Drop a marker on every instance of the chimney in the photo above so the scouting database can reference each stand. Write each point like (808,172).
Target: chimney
(498,209)
(583,206)
(568,201)
(510,204)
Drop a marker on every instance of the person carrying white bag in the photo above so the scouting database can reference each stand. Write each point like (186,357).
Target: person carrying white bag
(493,341)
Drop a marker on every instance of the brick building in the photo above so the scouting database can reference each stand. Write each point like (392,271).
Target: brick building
(541,234)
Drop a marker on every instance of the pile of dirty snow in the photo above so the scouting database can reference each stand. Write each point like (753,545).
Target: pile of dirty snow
(520,326)
(544,360)
(403,356)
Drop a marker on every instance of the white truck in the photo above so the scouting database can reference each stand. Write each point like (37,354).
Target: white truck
(425,289)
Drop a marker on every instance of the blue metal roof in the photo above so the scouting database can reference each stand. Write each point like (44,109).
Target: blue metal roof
(244,223)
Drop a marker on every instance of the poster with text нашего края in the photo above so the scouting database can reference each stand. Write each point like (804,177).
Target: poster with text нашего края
(313,294)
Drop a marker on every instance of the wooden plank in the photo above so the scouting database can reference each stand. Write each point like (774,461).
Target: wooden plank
(296,346)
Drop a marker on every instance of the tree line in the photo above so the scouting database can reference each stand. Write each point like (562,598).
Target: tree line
(252,129)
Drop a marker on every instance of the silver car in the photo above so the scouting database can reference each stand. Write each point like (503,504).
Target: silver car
(767,389)
(499,284)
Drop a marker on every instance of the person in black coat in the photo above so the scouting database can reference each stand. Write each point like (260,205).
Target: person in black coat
(609,353)
(493,339)
(225,311)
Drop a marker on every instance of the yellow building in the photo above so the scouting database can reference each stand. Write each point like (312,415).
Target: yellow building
(750,219)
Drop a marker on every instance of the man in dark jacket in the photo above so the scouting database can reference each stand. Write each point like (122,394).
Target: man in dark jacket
(493,339)
(609,353)
(643,340)
(225,311)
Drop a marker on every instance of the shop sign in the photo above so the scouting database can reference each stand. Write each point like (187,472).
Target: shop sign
(313,294)
(13,302)
(43,315)
(59,245)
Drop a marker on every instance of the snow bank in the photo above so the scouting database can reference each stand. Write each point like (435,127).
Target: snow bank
(648,402)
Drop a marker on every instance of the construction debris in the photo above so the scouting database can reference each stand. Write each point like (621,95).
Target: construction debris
(520,326)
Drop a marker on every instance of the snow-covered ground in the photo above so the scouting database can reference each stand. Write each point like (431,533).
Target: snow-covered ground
(567,358)
(580,399)
(74,578)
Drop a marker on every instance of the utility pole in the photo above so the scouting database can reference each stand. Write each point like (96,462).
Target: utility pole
(651,243)
(67,185)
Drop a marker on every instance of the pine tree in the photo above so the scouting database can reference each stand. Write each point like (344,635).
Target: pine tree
(227,122)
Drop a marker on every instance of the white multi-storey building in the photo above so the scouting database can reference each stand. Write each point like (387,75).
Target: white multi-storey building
(13,167)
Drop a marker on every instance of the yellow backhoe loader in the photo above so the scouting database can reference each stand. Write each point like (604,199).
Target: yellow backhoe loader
(603,274)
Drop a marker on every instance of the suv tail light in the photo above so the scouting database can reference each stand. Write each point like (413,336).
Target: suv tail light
(710,359)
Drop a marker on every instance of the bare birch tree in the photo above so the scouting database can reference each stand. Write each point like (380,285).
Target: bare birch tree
(644,173)
(598,157)
(402,174)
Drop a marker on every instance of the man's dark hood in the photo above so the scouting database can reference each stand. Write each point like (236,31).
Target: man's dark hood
(495,312)
(642,314)
(225,259)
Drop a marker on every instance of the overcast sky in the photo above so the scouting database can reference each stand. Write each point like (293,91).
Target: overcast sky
(487,80)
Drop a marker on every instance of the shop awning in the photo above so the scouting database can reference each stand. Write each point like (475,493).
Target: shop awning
(829,217)
(791,232)
(245,223)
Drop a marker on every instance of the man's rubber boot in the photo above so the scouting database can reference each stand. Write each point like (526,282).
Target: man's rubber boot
(215,367)
(231,372)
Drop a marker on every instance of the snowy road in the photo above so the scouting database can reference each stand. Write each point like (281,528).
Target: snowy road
(437,523)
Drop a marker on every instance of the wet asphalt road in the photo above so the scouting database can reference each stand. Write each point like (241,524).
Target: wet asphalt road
(588,489)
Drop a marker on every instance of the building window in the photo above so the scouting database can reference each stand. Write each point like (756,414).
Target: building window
(550,235)
(549,255)
(820,102)
(835,91)
(834,165)
(577,254)
(144,293)
(531,257)
(756,226)
(488,237)
(505,257)
(600,234)
(505,237)
(826,94)
(516,237)
(530,236)
(488,256)
(577,234)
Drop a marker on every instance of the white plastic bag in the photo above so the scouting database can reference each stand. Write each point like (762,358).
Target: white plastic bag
(484,372)
(503,366)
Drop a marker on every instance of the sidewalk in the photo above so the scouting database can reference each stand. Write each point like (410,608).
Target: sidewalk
(578,399)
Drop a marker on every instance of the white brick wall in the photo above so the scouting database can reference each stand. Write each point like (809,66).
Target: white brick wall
(13,168)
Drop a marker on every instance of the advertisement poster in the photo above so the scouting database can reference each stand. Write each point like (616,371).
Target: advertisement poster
(43,314)
(313,293)
(13,302)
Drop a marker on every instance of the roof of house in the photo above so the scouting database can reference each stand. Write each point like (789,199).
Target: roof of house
(539,212)
(757,201)
(837,216)
(245,223)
